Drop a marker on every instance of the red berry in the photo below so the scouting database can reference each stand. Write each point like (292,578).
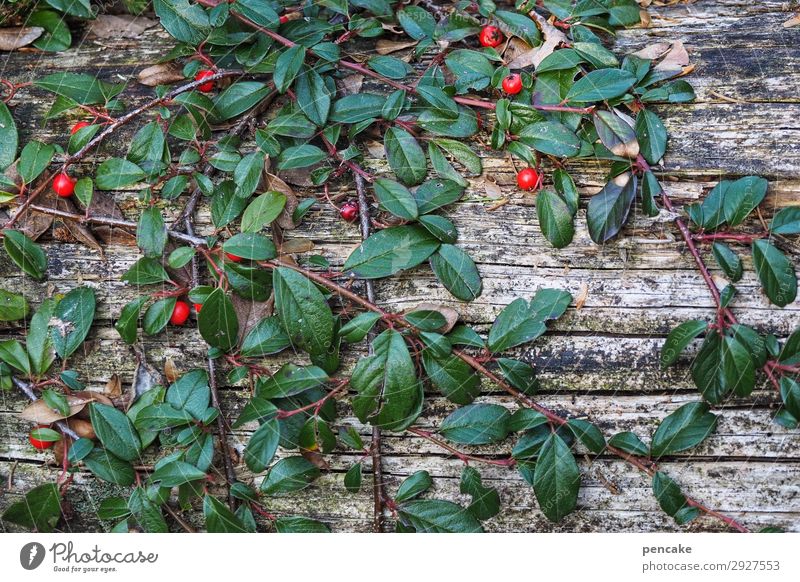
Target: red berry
(180,313)
(490,36)
(349,211)
(63,185)
(512,84)
(233,258)
(37,444)
(79,126)
(198,307)
(205,74)
(528,179)
(283,19)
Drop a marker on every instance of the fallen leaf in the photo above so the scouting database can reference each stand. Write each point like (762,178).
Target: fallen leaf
(40,413)
(70,230)
(675,60)
(275,184)
(793,21)
(171,372)
(296,246)
(249,313)
(122,26)
(351,84)
(491,188)
(552,38)
(145,377)
(161,74)
(652,51)
(18,37)
(450,315)
(103,205)
(583,295)
(385,46)
(113,387)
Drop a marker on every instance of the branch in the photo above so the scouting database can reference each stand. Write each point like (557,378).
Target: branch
(110,129)
(645,465)
(507,462)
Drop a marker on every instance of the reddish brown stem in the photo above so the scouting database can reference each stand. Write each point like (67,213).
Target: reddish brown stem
(729,236)
(507,462)
(317,405)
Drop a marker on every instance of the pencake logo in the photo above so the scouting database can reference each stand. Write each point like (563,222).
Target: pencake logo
(31,555)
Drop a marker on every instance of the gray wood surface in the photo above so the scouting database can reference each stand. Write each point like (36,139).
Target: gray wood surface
(600,362)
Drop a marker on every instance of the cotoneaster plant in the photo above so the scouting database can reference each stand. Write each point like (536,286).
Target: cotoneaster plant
(567,100)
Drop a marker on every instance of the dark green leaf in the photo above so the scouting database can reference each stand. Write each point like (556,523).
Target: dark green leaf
(476,424)
(406,157)
(608,209)
(74,315)
(457,272)
(600,85)
(217,321)
(395,198)
(25,253)
(728,261)
(685,428)
(289,474)
(679,338)
(629,443)
(437,516)
(391,250)
(485,500)
(556,479)
(775,272)
(555,218)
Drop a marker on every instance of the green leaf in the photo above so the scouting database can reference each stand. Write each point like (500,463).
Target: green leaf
(176,473)
(352,479)
(395,198)
(116,173)
(440,227)
(521,26)
(262,446)
(552,138)
(685,428)
(265,338)
(290,380)
(56,401)
(297,524)
(300,156)
(8,137)
(115,431)
(652,136)
(238,98)
(616,134)
(438,516)
(600,85)
(38,342)
(109,467)
(185,21)
(84,89)
(262,211)
(560,60)
(728,261)
(679,338)
(389,394)
(608,209)
(742,197)
(555,218)
(151,232)
(13,354)
(588,434)
(556,479)
(435,194)
(39,510)
(25,253)
(259,11)
(217,321)
(671,500)
(790,393)
(476,424)
(775,272)
(785,221)
(12,306)
(485,500)
(247,174)
(288,66)
(303,312)
(254,247)
(289,474)
(180,257)
(439,100)
(313,96)
(520,375)
(454,378)
(357,108)
(391,250)
(357,328)
(73,317)
(522,322)
(146,271)
(413,486)
(526,419)
(457,272)
(629,443)
(406,157)
(220,519)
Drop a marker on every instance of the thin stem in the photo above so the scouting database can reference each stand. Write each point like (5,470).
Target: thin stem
(316,405)
(25,388)
(466,458)
(730,237)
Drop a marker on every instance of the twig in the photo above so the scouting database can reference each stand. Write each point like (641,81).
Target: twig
(508,462)
(182,522)
(375,446)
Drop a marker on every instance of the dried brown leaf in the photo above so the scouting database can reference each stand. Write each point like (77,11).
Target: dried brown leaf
(793,21)
(113,387)
(161,74)
(652,51)
(122,26)
(249,313)
(583,295)
(38,412)
(103,205)
(18,37)
(351,84)
(675,60)
(552,38)
(171,372)
(385,46)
